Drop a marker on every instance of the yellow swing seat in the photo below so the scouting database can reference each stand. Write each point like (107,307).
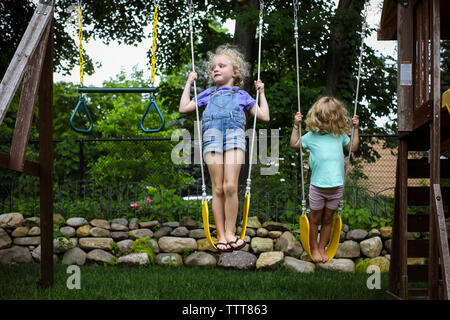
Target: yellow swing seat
(334,238)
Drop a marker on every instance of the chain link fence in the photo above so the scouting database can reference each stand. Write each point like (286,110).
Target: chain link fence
(110,178)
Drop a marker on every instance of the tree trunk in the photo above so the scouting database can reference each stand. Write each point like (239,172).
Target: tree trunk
(340,33)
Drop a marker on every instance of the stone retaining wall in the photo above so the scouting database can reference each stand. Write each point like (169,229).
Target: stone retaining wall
(269,245)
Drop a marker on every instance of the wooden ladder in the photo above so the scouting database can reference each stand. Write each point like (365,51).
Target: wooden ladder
(409,280)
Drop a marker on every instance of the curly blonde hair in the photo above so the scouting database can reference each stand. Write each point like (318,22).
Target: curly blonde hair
(240,66)
(329,110)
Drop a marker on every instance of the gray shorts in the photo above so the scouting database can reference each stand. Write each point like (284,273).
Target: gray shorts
(325,197)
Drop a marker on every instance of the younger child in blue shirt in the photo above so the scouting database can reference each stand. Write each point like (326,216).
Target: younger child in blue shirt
(328,123)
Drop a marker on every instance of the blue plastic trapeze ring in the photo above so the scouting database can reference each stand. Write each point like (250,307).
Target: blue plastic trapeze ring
(81,106)
(152,105)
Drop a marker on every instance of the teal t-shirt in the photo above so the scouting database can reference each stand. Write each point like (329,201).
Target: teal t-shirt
(326,158)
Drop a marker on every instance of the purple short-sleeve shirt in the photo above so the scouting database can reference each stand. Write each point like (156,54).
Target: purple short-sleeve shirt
(245,101)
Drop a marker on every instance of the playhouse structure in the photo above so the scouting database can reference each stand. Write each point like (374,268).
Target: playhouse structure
(423,125)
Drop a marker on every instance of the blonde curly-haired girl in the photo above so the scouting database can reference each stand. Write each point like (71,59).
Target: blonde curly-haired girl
(223,134)
(328,123)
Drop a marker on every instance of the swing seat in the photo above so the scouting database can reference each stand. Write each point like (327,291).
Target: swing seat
(205,216)
(245,215)
(334,238)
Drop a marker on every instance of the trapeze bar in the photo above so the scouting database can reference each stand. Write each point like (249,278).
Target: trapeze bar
(116,90)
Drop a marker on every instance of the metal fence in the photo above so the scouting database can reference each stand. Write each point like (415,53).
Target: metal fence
(156,198)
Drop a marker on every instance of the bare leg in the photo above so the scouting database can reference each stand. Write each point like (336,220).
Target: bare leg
(214,162)
(232,166)
(316,217)
(325,232)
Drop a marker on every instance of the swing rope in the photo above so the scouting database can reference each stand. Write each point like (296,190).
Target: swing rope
(296,6)
(155,35)
(191,30)
(80,45)
(261,9)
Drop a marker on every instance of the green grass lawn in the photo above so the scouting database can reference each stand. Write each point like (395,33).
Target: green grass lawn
(183,283)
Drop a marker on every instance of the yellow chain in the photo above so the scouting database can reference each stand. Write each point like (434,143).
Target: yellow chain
(80,46)
(155,34)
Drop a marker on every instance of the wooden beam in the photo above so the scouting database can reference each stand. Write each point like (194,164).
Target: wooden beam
(29,166)
(27,102)
(403,217)
(405,61)
(46,164)
(16,69)
(435,140)
(442,240)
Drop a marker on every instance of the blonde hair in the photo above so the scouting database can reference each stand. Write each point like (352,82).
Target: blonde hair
(240,66)
(328,109)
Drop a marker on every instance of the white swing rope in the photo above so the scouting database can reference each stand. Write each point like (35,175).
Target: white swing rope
(191,28)
(363,35)
(261,9)
(296,6)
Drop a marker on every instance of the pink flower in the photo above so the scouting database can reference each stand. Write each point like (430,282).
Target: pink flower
(134,205)
(148,200)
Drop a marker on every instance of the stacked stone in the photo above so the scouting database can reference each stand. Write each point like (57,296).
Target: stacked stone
(269,245)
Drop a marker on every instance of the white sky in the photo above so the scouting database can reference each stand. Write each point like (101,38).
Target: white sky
(115,57)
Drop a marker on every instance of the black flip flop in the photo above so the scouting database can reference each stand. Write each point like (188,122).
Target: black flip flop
(224,244)
(235,242)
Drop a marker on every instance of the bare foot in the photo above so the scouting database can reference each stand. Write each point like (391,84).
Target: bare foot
(316,255)
(323,253)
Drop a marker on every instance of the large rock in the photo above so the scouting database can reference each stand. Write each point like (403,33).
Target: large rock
(296,265)
(261,245)
(190,223)
(380,262)
(95,243)
(169,259)
(348,249)
(76,222)
(121,221)
(289,245)
(357,234)
(20,232)
(253,222)
(32,222)
(74,256)
(15,254)
(84,231)
(34,231)
(200,259)
(100,223)
(140,233)
(269,260)
(371,247)
(61,245)
(27,241)
(99,232)
(70,231)
(176,244)
(134,224)
(11,220)
(119,235)
(237,259)
(386,232)
(99,256)
(276,226)
(204,245)
(163,231)
(124,246)
(118,227)
(197,234)
(344,265)
(149,224)
(134,259)
(5,240)
(180,232)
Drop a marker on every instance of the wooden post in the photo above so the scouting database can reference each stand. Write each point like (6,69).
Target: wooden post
(403,217)
(46,163)
(435,139)
(404,63)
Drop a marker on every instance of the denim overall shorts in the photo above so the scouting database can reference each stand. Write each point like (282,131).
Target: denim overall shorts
(223,123)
